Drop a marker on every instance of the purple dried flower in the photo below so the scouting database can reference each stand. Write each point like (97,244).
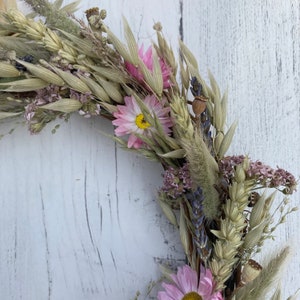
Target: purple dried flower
(177,181)
(29,111)
(260,171)
(263,174)
(199,235)
(227,165)
(37,118)
(90,109)
(49,94)
(83,98)
(270,177)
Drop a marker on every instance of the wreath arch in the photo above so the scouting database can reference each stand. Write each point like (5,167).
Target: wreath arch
(219,211)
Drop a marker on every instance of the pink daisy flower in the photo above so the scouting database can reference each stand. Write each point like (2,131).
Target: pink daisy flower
(130,119)
(148,61)
(187,286)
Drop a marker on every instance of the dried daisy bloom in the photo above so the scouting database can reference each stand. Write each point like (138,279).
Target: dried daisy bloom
(131,120)
(188,286)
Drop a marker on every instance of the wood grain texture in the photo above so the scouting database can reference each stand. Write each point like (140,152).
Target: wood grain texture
(78,217)
(252,48)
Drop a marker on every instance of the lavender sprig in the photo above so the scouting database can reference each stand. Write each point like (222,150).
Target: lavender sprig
(198,222)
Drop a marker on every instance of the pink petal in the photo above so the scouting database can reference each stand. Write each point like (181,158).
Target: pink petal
(126,119)
(164,296)
(120,132)
(134,142)
(190,279)
(173,291)
(147,59)
(186,280)
(141,51)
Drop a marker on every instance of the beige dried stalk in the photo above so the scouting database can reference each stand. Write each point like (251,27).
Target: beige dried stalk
(266,280)
(230,235)
(37,31)
(203,167)
(259,221)
(5,5)
(216,104)
(99,84)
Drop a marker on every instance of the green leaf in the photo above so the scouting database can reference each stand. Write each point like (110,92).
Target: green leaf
(24,85)
(188,55)
(4,115)
(85,46)
(71,7)
(120,47)
(183,231)
(65,105)
(131,42)
(180,153)
(214,85)
(42,73)
(168,211)
(227,140)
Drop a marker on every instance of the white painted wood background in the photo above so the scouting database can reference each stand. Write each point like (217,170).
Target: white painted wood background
(78,217)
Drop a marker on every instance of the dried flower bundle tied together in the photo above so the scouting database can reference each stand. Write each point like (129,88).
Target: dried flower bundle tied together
(220,204)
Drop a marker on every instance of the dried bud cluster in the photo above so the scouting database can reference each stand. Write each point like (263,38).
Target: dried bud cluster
(263,174)
(177,181)
(95,17)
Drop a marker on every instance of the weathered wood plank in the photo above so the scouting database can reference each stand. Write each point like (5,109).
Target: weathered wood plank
(78,215)
(252,48)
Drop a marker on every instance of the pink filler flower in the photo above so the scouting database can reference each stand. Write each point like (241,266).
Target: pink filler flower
(148,61)
(130,119)
(187,286)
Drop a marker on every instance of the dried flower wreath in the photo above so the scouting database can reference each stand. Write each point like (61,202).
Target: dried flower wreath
(220,204)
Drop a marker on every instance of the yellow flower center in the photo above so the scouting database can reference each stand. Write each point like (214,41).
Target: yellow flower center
(192,296)
(141,122)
